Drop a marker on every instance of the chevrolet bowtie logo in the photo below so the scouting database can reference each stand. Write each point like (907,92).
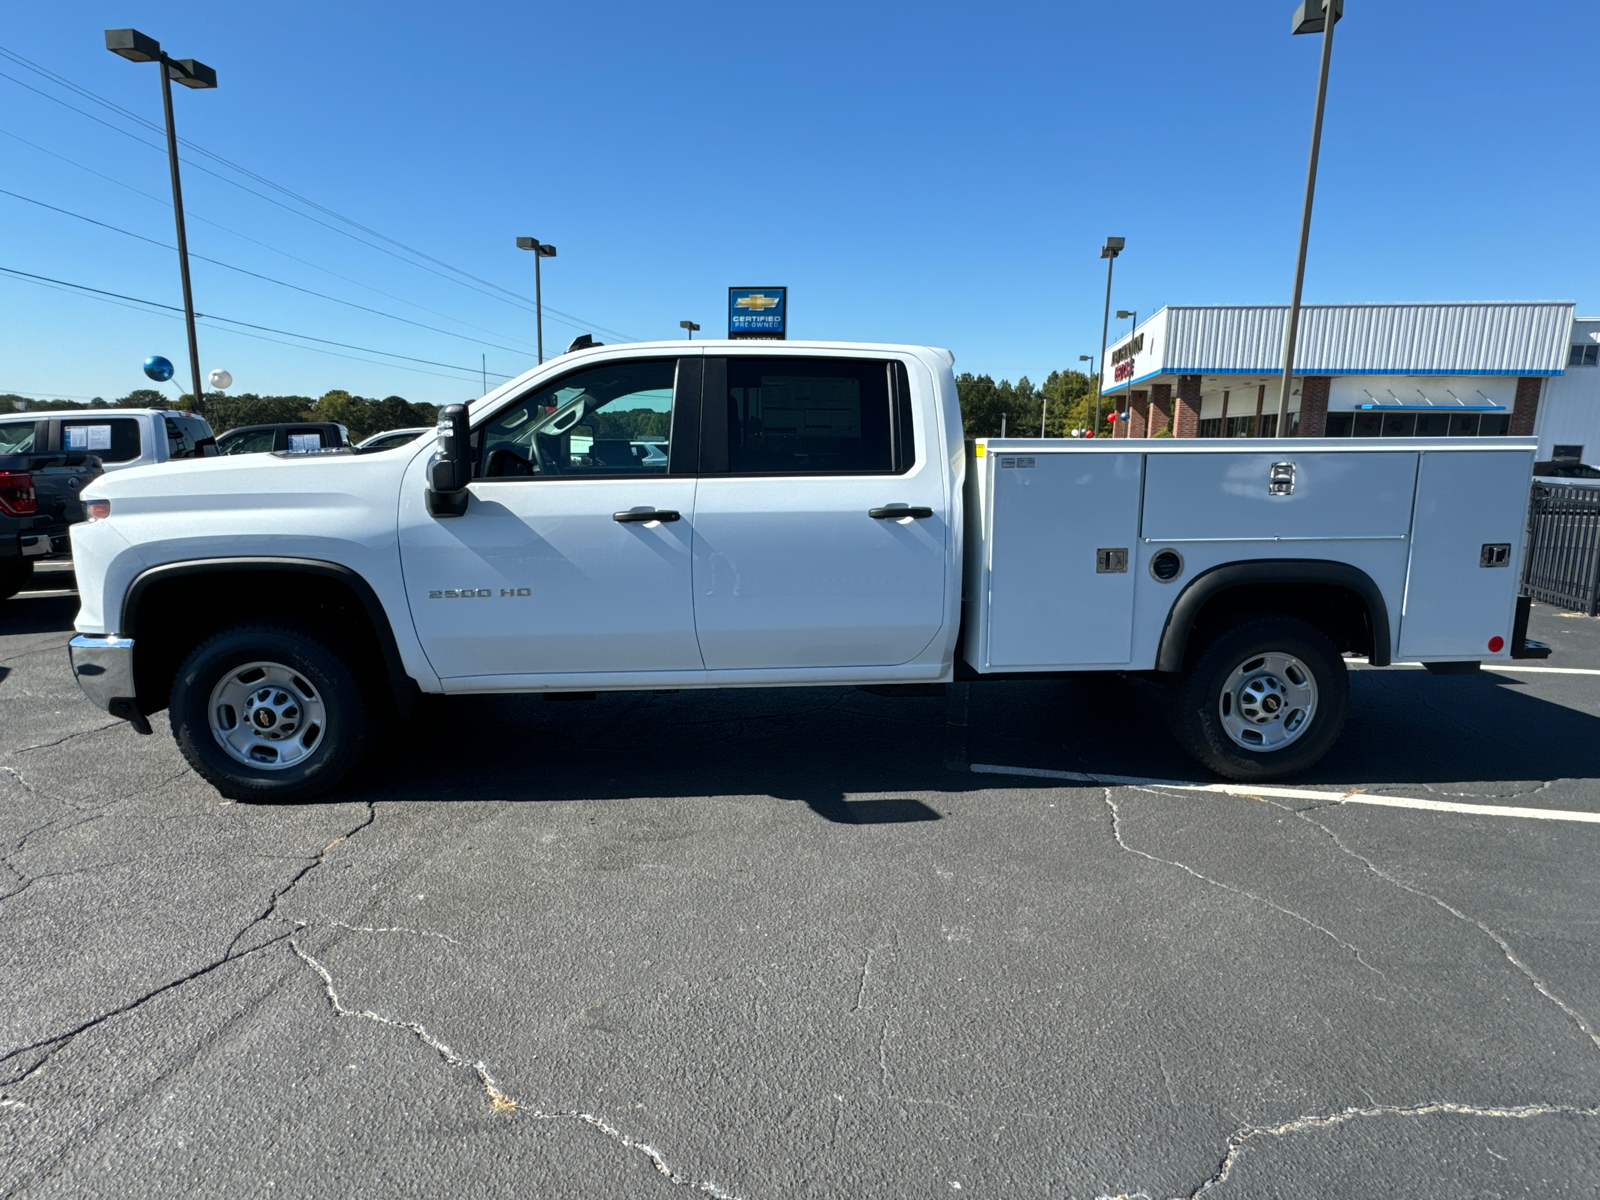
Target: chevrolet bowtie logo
(756,302)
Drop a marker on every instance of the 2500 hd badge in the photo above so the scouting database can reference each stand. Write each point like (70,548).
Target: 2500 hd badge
(476,593)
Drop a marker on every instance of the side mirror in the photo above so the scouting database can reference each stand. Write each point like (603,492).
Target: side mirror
(451,468)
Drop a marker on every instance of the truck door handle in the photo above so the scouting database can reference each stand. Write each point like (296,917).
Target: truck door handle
(894,514)
(648,514)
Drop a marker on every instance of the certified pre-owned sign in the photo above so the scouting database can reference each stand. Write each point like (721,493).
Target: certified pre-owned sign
(758,312)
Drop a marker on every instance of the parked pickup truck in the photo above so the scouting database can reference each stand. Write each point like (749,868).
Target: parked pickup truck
(300,437)
(818,520)
(120,437)
(39,499)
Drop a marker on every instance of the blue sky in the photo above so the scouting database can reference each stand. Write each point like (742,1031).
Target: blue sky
(931,173)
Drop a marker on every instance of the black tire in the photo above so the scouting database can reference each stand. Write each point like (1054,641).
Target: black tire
(1195,700)
(340,736)
(15,574)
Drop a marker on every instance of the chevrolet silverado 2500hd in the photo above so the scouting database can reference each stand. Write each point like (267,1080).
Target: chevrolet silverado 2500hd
(814,518)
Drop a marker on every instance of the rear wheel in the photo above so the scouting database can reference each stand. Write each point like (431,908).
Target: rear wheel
(14,576)
(269,714)
(1264,700)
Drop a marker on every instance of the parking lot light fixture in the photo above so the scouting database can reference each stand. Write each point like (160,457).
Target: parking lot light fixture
(1113,247)
(690,326)
(1310,17)
(138,47)
(540,250)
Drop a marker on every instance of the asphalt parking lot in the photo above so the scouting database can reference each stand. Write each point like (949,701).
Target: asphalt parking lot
(773,944)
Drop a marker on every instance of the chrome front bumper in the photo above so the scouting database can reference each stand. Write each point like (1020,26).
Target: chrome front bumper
(103,666)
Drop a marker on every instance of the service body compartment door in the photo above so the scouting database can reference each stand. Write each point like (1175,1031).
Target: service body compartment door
(1284,495)
(1061,559)
(1466,553)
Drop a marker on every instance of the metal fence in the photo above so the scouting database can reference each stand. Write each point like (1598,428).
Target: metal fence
(1563,562)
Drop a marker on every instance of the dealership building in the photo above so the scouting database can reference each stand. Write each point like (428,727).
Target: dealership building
(1364,370)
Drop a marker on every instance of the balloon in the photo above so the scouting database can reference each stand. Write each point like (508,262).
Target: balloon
(158,368)
(221,379)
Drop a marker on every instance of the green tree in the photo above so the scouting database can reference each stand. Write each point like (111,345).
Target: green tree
(1067,397)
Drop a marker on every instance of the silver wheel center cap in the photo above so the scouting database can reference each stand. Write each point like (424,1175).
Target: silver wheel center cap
(1268,701)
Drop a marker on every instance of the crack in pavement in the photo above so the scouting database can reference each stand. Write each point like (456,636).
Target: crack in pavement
(1116,831)
(270,912)
(1505,947)
(498,1098)
(1239,1141)
(70,736)
(53,1045)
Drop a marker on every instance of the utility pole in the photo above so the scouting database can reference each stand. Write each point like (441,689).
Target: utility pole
(1310,17)
(137,47)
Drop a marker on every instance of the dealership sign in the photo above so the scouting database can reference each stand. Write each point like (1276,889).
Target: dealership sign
(758,312)
(1122,359)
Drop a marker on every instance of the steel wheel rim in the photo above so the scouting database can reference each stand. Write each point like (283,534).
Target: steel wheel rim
(267,716)
(1268,702)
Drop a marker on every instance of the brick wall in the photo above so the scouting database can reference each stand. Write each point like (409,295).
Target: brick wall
(1313,406)
(1160,408)
(1526,407)
(1186,411)
(1138,414)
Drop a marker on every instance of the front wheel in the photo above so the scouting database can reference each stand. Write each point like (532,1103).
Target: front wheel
(1264,700)
(268,714)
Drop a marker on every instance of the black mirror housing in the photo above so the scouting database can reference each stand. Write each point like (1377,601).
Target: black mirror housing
(451,469)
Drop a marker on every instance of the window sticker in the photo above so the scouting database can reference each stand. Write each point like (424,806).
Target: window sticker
(303,443)
(88,437)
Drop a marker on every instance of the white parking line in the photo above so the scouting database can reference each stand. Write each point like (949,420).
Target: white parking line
(45,593)
(1362,664)
(1284,793)
(1517,667)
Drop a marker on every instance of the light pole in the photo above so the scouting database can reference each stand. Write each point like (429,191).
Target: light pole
(1128,315)
(1086,358)
(690,326)
(1109,252)
(136,47)
(540,250)
(1310,17)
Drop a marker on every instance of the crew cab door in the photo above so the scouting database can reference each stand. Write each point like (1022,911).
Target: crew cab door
(799,558)
(573,555)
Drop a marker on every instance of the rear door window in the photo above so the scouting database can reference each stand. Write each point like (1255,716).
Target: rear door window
(16,437)
(111,439)
(817,416)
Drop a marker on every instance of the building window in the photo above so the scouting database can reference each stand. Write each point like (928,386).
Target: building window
(1339,424)
(1211,427)
(1584,355)
(1241,426)
(1494,425)
(1566,453)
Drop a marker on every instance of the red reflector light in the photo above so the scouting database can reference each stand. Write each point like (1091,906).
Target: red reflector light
(1496,644)
(17,498)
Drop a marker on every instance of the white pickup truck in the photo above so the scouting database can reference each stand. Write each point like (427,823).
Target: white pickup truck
(812,517)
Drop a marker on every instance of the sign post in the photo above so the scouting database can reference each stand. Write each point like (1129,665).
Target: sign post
(758,312)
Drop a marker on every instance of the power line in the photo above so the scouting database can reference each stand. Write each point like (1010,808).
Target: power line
(190,214)
(255,274)
(244,324)
(86,93)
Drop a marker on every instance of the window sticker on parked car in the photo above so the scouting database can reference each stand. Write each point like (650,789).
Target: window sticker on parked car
(88,437)
(302,443)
